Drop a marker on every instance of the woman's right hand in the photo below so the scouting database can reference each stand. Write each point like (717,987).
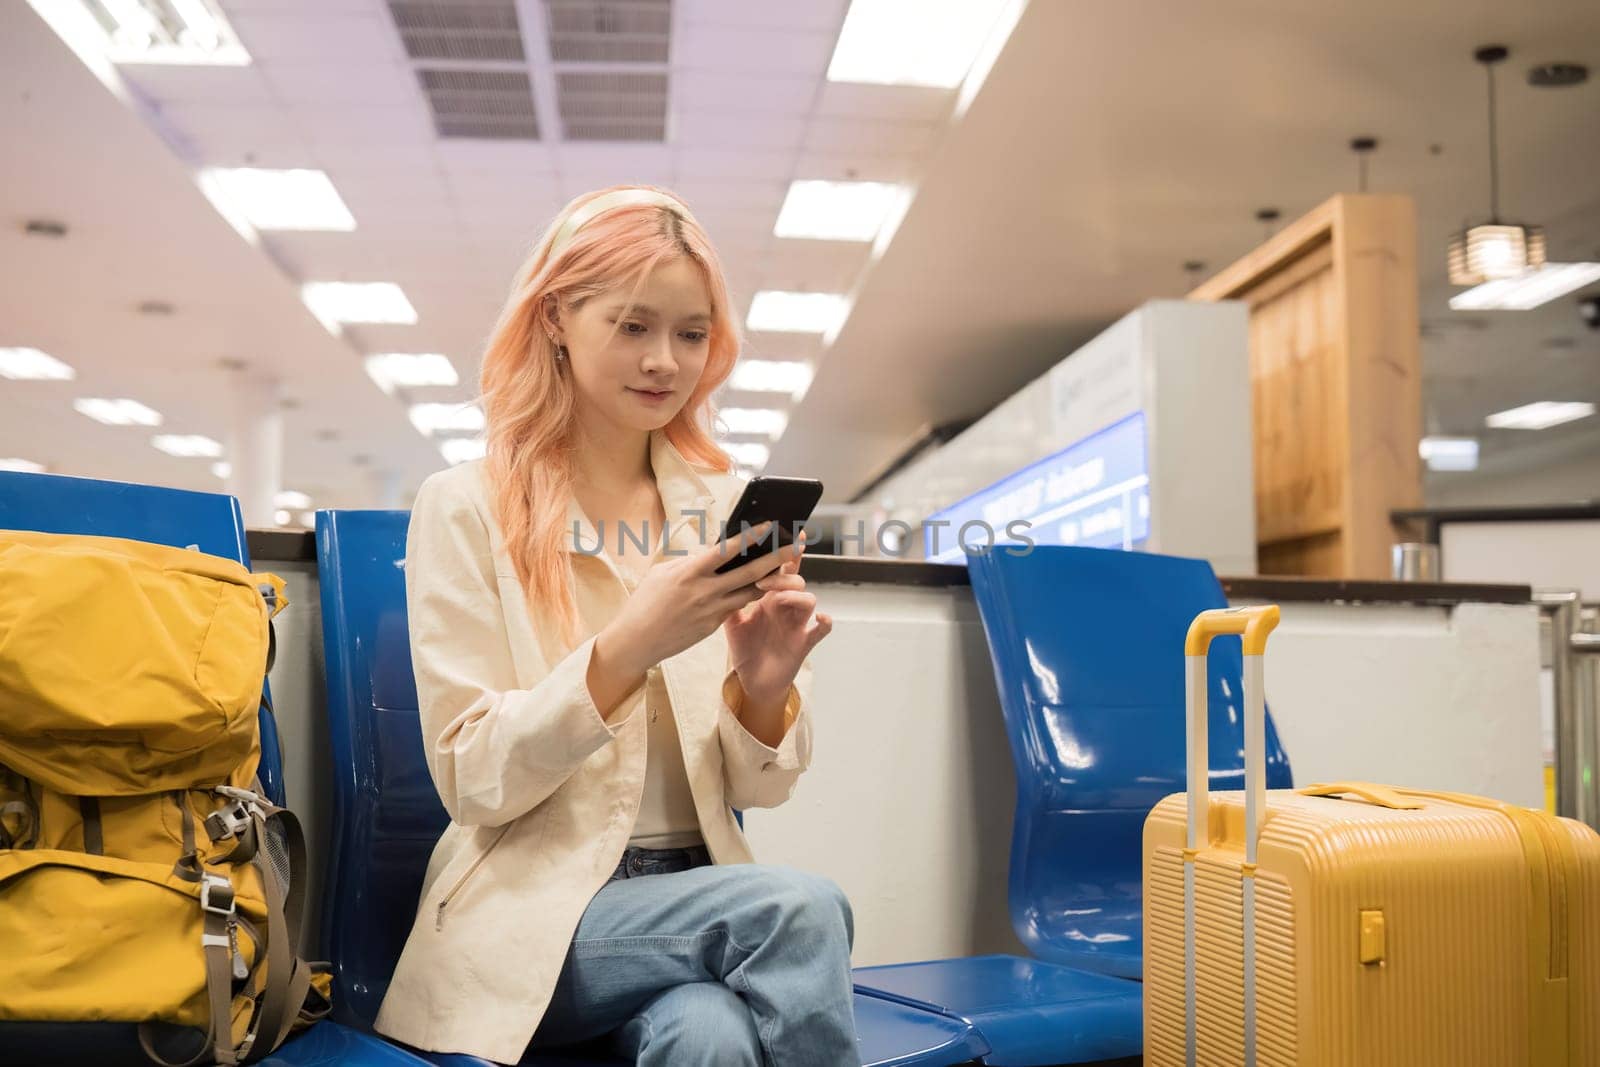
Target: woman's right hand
(677,604)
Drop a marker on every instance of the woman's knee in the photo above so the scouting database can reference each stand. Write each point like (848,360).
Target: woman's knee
(807,904)
(704,1024)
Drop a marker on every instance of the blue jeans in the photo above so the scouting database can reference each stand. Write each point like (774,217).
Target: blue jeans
(680,962)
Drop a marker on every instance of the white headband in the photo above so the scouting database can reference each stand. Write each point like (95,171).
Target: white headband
(610,202)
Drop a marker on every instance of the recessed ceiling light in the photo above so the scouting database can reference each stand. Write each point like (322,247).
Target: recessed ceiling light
(1449,453)
(282,517)
(837,211)
(783,312)
(1540,415)
(1527,291)
(912,42)
(771,376)
(462,449)
(187,446)
(191,33)
(222,469)
(21,466)
(447,418)
(359,302)
(277,199)
(749,455)
(289,498)
(411,370)
(118,412)
(32,365)
(764,421)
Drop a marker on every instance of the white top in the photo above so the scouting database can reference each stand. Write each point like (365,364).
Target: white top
(667,817)
(666,810)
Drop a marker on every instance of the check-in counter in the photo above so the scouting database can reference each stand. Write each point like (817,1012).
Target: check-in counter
(908,803)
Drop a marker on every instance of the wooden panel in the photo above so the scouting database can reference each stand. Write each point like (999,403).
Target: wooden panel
(1376,250)
(1335,381)
(1297,390)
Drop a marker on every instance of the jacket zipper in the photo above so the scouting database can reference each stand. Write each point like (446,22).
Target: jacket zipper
(444,901)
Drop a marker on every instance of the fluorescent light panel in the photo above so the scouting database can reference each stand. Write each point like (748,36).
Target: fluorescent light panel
(431,419)
(187,446)
(783,312)
(277,199)
(912,42)
(290,498)
(358,302)
(222,469)
(765,421)
(771,376)
(463,449)
(1529,290)
(837,211)
(411,370)
(118,412)
(1449,453)
(1540,415)
(32,365)
(22,466)
(140,31)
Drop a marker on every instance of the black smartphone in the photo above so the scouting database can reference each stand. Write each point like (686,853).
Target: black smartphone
(784,502)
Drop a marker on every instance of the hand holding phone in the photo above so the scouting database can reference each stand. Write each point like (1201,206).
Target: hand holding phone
(784,502)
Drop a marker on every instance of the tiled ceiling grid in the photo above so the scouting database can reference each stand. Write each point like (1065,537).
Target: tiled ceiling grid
(455,131)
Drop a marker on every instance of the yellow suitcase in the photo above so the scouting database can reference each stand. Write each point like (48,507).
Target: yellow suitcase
(1358,924)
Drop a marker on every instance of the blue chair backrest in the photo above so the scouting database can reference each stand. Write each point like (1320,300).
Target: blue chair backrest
(211,522)
(1087,647)
(387,814)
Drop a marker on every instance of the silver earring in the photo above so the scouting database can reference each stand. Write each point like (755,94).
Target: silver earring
(561,352)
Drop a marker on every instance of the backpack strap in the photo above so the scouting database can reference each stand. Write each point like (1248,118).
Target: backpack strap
(217,941)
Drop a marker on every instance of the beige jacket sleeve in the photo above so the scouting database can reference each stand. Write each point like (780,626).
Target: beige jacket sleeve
(758,775)
(495,750)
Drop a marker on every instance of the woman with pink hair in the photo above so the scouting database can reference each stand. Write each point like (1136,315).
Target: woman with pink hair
(597,701)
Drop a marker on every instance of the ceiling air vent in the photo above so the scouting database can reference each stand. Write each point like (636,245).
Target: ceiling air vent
(612,105)
(481,103)
(459,30)
(610,31)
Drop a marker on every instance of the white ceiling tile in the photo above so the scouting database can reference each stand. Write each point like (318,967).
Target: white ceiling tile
(903,102)
(715,90)
(734,164)
(353,39)
(233,135)
(822,266)
(710,129)
(333,81)
(856,166)
(782,346)
(611,164)
(465,156)
(363,123)
(702,46)
(768,14)
(232,86)
(353,156)
(764,195)
(883,137)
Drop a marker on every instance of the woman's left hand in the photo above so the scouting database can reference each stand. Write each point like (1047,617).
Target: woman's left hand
(768,639)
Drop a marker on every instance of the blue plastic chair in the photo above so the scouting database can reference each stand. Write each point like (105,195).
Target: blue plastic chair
(213,523)
(1087,646)
(388,815)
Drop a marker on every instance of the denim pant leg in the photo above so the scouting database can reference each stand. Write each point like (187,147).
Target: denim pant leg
(777,937)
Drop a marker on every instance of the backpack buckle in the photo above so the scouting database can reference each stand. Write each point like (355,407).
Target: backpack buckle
(216,895)
(230,821)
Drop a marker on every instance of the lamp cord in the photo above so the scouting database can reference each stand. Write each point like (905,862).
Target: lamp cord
(1494,154)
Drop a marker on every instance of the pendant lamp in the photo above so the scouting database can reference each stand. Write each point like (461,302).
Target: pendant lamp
(1494,250)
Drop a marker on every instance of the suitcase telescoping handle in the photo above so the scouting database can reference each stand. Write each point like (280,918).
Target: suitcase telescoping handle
(1253,624)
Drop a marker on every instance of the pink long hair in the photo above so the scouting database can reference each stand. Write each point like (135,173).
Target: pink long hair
(530,400)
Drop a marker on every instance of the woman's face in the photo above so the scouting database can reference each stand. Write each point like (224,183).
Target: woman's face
(635,365)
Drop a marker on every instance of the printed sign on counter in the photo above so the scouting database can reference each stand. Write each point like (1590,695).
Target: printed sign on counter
(1095,493)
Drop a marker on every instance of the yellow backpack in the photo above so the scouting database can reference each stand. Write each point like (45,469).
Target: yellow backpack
(143,878)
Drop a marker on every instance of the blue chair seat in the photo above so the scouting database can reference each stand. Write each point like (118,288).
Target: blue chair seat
(1027,1011)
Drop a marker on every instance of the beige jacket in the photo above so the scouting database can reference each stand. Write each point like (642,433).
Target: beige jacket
(542,792)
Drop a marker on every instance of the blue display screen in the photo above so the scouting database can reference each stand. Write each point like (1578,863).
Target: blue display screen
(1095,493)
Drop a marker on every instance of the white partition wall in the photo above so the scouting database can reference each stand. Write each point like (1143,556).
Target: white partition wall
(1139,439)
